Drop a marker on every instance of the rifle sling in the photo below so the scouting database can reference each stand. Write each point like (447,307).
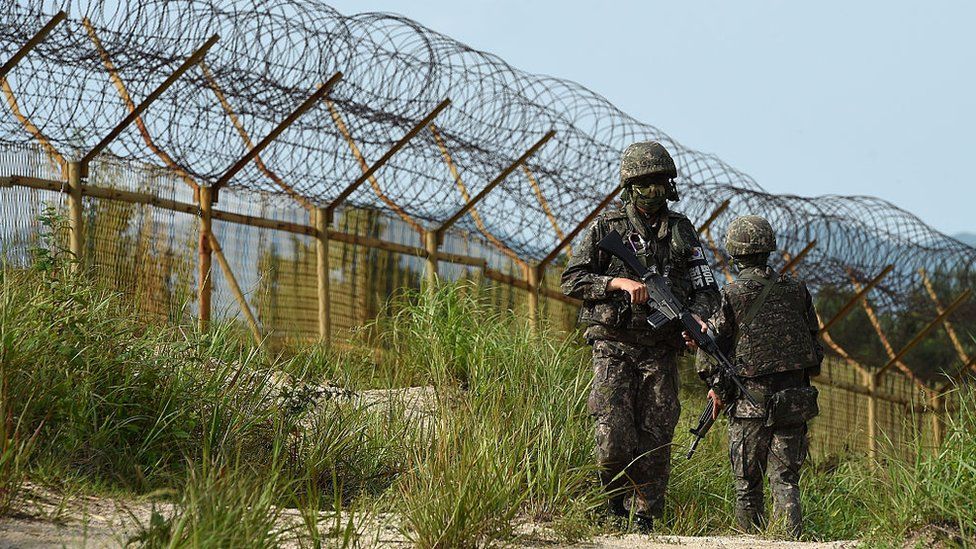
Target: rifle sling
(750,315)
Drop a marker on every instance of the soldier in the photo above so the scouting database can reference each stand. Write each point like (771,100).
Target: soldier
(769,324)
(634,397)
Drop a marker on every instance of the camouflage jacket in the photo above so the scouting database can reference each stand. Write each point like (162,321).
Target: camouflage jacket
(668,241)
(778,349)
(782,334)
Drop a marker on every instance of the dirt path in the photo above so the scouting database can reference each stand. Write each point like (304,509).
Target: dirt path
(635,541)
(47,521)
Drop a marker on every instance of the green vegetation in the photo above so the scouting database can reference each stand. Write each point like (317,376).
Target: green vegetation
(447,419)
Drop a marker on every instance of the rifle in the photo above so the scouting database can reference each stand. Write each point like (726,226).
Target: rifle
(666,308)
(705,422)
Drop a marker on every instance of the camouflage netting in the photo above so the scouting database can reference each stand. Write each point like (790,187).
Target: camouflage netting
(272,55)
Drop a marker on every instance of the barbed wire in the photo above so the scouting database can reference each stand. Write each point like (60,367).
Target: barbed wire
(271,56)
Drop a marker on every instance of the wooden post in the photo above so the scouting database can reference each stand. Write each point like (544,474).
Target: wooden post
(30,44)
(883,338)
(579,228)
(849,306)
(872,380)
(493,183)
(707,233)
(456,175)
(76,220)
(711,219)
(205,282)
(925,331)
(543,202)
(533,275)
(322,273)
(239,126)
(235,288)
(950,331)
(938,433)
(254,151)
(431,245)
(368,172)
(791,263)
(138,110)
(126,97)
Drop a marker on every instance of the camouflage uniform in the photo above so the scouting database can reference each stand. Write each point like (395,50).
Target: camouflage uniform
(772,335)
(634,396)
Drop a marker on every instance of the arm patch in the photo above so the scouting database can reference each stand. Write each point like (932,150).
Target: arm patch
(701,273)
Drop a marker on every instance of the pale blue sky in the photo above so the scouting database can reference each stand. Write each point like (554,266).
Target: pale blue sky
(873,98)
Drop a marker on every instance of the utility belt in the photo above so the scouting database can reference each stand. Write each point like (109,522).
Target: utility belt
(788,407)
(792,407)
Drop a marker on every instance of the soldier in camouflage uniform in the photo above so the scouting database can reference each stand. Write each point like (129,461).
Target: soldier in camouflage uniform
(634,397)
(768,323)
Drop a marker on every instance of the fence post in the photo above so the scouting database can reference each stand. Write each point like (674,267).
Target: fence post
(206,251)
(533,275)
(322,272)
(136,112)
(494,183)
(76,220)
(368,172)
(235,288)
(431,245)
(254,151)
(936,403)
(872,417)
(792,263)
(896,359)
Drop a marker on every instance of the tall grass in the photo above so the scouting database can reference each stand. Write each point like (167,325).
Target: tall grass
(125,402)
(132,406)
(938,487)
(221,506)
(509,436)
(500,438)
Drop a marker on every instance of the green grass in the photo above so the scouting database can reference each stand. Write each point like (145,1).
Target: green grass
(233,435)
(221,505)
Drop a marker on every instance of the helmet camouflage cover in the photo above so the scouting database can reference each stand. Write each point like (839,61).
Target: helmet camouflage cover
(750,234)
(646,158)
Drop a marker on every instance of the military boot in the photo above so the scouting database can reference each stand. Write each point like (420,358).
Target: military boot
(644,523)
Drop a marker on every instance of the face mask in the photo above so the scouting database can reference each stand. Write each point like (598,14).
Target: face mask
(746,262)
(650,198)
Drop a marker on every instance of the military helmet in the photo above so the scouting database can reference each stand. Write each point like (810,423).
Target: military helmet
(750,234)
(644,159)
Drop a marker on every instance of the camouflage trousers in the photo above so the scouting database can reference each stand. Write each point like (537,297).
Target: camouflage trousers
(634,402)
(757,450)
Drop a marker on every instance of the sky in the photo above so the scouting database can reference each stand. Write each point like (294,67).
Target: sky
(809,98)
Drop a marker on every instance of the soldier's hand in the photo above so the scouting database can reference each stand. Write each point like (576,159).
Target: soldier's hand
(636,290)
(716,403)
(689,341)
